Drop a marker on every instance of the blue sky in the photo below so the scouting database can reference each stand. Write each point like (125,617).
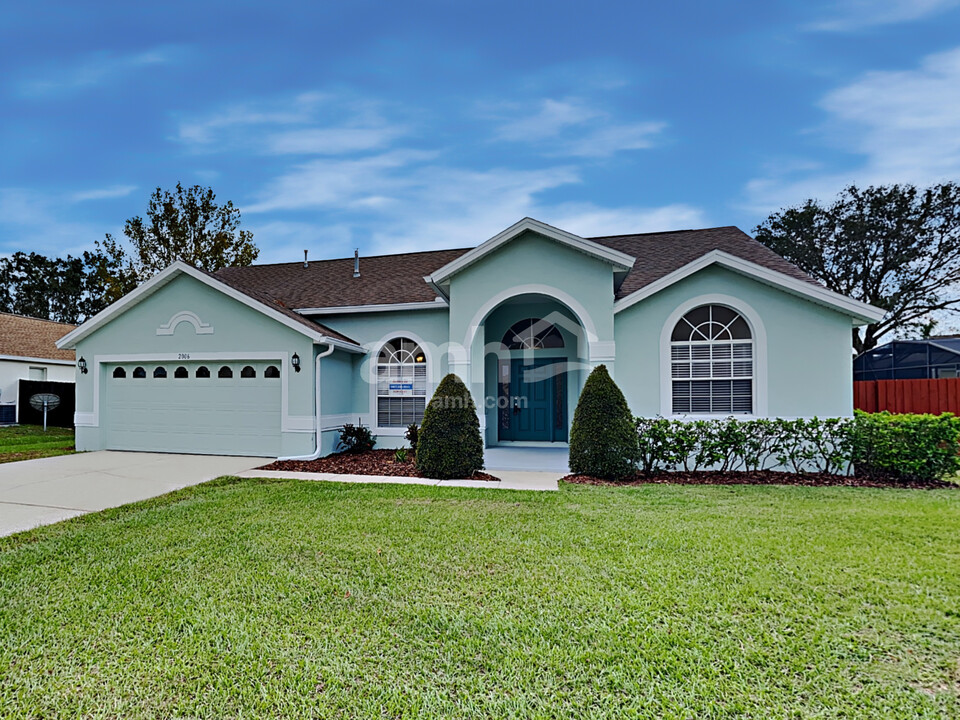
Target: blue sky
(397,126)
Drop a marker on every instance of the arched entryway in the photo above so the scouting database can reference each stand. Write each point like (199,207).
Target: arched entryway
(534,364)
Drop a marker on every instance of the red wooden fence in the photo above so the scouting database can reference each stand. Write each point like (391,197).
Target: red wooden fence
(908,396)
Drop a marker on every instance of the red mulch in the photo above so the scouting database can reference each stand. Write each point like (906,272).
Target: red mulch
(375,462)
(763,477)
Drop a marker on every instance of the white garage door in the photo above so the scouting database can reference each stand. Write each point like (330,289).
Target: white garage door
(212,408)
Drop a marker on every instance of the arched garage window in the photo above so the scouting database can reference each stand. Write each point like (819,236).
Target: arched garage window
(160,373)
(711,362)
(248,372)
(401,383)
(181,372)
(139,373)
(119,372)
(203,372)
(225,372)
(272,371)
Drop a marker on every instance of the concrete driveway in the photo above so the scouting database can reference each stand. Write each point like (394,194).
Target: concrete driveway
(41,492)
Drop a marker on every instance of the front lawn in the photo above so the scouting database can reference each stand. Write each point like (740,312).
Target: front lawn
(298,599)
(29,442)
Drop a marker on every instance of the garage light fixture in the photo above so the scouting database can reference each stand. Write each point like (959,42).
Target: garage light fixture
(295,361)
(82,364)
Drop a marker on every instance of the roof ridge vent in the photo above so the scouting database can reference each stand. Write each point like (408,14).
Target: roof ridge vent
(356,262)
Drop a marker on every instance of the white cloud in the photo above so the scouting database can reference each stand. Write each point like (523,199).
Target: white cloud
(403,201)
(589,220)
(212,127)
(39,225)
(340,183)
(309,124)
(94,70)
(107,193)
(858,14)
(331,141)
(613,139)
(904,124)
(577,128)
(553,117)
(354,182)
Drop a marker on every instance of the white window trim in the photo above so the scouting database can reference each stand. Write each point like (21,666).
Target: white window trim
(758,335)
(372,379)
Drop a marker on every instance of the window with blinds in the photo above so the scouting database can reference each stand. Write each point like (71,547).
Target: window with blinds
(712,362)
(401,383)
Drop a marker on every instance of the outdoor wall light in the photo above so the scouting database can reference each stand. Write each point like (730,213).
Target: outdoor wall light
(295,361)
(82,364)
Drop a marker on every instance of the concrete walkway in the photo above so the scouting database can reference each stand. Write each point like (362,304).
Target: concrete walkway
(41,492)
(509,480)
(543,458)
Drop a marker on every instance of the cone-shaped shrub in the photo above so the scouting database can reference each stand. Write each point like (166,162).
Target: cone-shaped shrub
(449,443)
(603,441)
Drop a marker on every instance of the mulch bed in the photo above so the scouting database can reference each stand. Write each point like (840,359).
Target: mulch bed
(375,462)
(764,477)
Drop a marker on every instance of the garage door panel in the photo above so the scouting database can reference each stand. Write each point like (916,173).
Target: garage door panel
(230,416)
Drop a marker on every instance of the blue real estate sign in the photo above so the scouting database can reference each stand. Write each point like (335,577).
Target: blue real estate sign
(401,389)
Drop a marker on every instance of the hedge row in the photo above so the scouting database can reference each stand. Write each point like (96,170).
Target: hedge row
(879,445)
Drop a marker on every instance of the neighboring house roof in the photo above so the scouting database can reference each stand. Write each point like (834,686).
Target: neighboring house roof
(266,304)
(33,338)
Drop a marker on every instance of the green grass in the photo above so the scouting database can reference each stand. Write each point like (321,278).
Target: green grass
(28,442)
(293,599)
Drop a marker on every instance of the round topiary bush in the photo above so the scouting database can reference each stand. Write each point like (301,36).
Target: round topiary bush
(449,443)
(603,440)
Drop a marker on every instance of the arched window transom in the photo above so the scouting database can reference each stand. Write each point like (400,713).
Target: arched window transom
(712,362)
(401,383)
(532,334)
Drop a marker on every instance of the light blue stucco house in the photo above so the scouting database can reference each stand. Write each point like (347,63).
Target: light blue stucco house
(271,360)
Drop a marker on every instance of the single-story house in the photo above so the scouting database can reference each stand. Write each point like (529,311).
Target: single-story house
(273,359)
(28,351)
(927,359)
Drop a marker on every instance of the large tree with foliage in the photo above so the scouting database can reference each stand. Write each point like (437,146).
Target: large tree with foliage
(895,247)
(186,224)
(183,224)
(69,289)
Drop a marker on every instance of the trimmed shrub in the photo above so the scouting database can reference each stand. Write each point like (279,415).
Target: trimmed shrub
(603,438)
(881,446)
(412,435)
(654,444)
(905,447)
(449,443)
(355,439)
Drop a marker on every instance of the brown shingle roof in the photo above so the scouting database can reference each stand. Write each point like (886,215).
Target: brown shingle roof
(330,283)
(30,337)
(278,305)
(388,279)
(659,254)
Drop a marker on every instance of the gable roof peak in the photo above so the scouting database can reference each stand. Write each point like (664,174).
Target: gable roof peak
(621,262)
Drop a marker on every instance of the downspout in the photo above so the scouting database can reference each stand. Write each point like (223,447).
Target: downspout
(316,379)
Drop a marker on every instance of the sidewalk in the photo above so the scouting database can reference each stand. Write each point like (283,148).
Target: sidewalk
(510,479)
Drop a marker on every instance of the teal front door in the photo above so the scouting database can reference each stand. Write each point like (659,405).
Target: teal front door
(533,404)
